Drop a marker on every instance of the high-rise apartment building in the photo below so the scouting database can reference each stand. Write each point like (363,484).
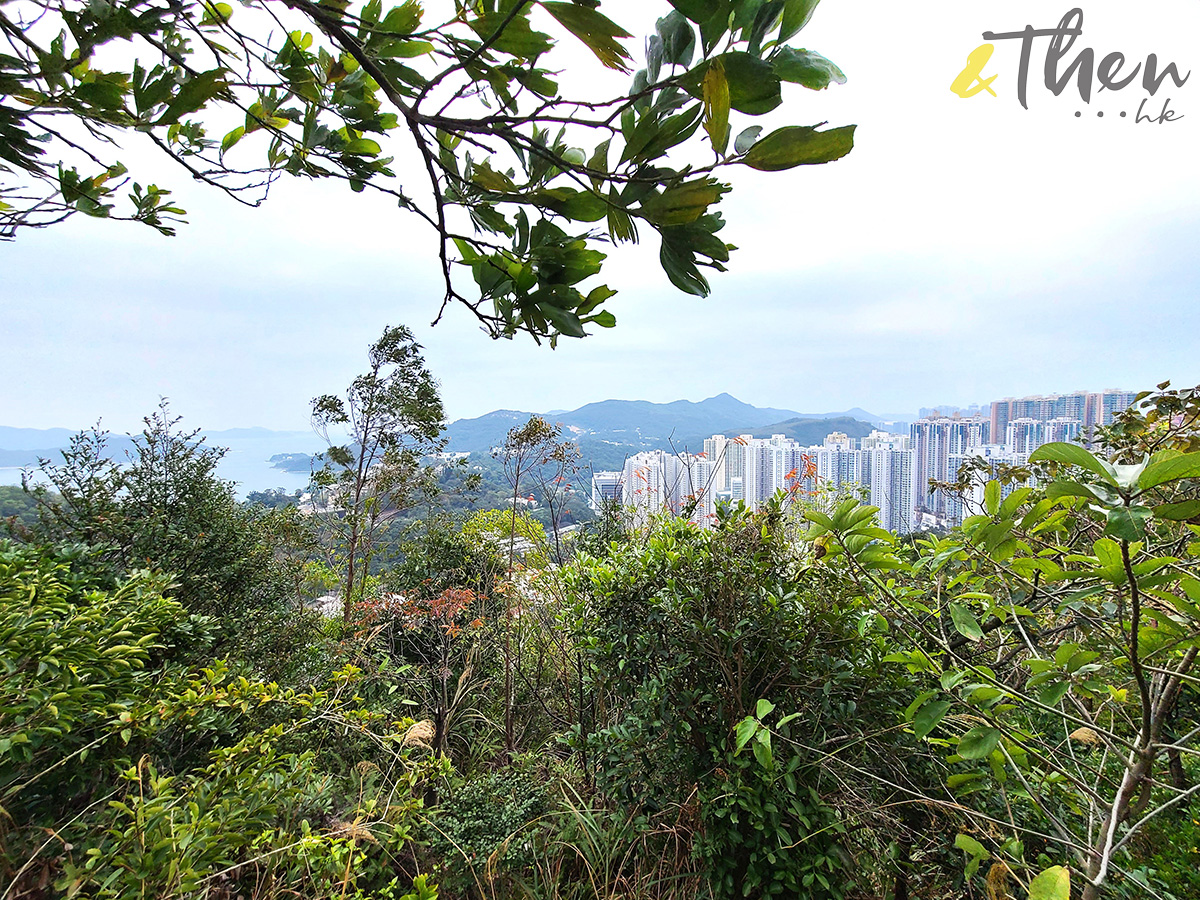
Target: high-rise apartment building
(889,476)
(934,440)
(893,470)
(1089,409)
(1103,406)
(606,489)
(957,507)
(1062,430)
(1023,435)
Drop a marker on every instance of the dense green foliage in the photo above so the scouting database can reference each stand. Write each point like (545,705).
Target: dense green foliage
(156,779)
(791,703)
(17,508)
(689,634)
(522,181)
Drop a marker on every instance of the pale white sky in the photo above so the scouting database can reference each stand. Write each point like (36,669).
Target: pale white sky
(966,250)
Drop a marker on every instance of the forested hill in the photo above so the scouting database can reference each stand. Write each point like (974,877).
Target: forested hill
(809,431)
(641,425)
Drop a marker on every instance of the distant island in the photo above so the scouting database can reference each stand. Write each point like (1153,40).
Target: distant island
(296,463)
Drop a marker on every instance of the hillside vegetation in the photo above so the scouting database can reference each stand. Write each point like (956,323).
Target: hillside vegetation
(791,703)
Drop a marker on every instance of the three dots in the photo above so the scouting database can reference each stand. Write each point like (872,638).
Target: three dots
(1100,115)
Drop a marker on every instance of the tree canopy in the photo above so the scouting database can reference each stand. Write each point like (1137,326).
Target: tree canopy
(522,182)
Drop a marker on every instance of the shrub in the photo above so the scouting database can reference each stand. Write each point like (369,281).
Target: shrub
(687,632)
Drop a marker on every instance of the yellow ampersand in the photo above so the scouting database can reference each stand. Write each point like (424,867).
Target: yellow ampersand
(970,81)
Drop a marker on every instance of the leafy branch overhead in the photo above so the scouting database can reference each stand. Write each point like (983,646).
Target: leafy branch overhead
(521,182)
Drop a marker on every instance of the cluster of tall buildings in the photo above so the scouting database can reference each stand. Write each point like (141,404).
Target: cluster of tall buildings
(893,471)
(1088,409)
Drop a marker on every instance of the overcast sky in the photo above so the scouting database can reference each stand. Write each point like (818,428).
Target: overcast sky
(967,249)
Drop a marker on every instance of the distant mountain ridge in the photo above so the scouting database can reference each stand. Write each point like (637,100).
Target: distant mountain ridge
(621,427)
(637,423)
(606,431)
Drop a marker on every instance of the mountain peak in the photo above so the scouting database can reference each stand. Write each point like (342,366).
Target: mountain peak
(724,401)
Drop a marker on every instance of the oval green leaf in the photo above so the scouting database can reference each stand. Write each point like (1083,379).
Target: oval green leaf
(799,145)
(1072,455)
(965,622)
(979,742)
(1052,884)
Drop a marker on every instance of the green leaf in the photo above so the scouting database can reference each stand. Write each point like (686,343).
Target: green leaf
(991,497)
(215,13)
(1177,512)
(753,84)
(579,206)
(928,716)
(1072,455)
(1052,694)
(105,92)
(678,39)
(683,244)
(402,19)
(681,270)
(763,709)
(762,748)
(744,732)
(964,783)
(682,203)
(489,179)
(650,139)
(596,30)
(697,10)
(979,742)
(716,106)
(232,138)
(975,850)
(394,49)
(1013,502)
(604,319)
(1057,489)
(970,845)
(965,621)
(1185,466)
(806,68)
(517,38)
(564,320)
(796,14)
(799,145)
(362,147)
(1128,523)
(193,94)
(1052,884)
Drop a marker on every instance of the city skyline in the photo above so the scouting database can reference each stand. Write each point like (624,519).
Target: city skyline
(894,472)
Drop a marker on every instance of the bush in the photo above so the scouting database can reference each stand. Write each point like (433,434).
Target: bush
(165,509)
(485,829)
(688,634)
(154,780)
